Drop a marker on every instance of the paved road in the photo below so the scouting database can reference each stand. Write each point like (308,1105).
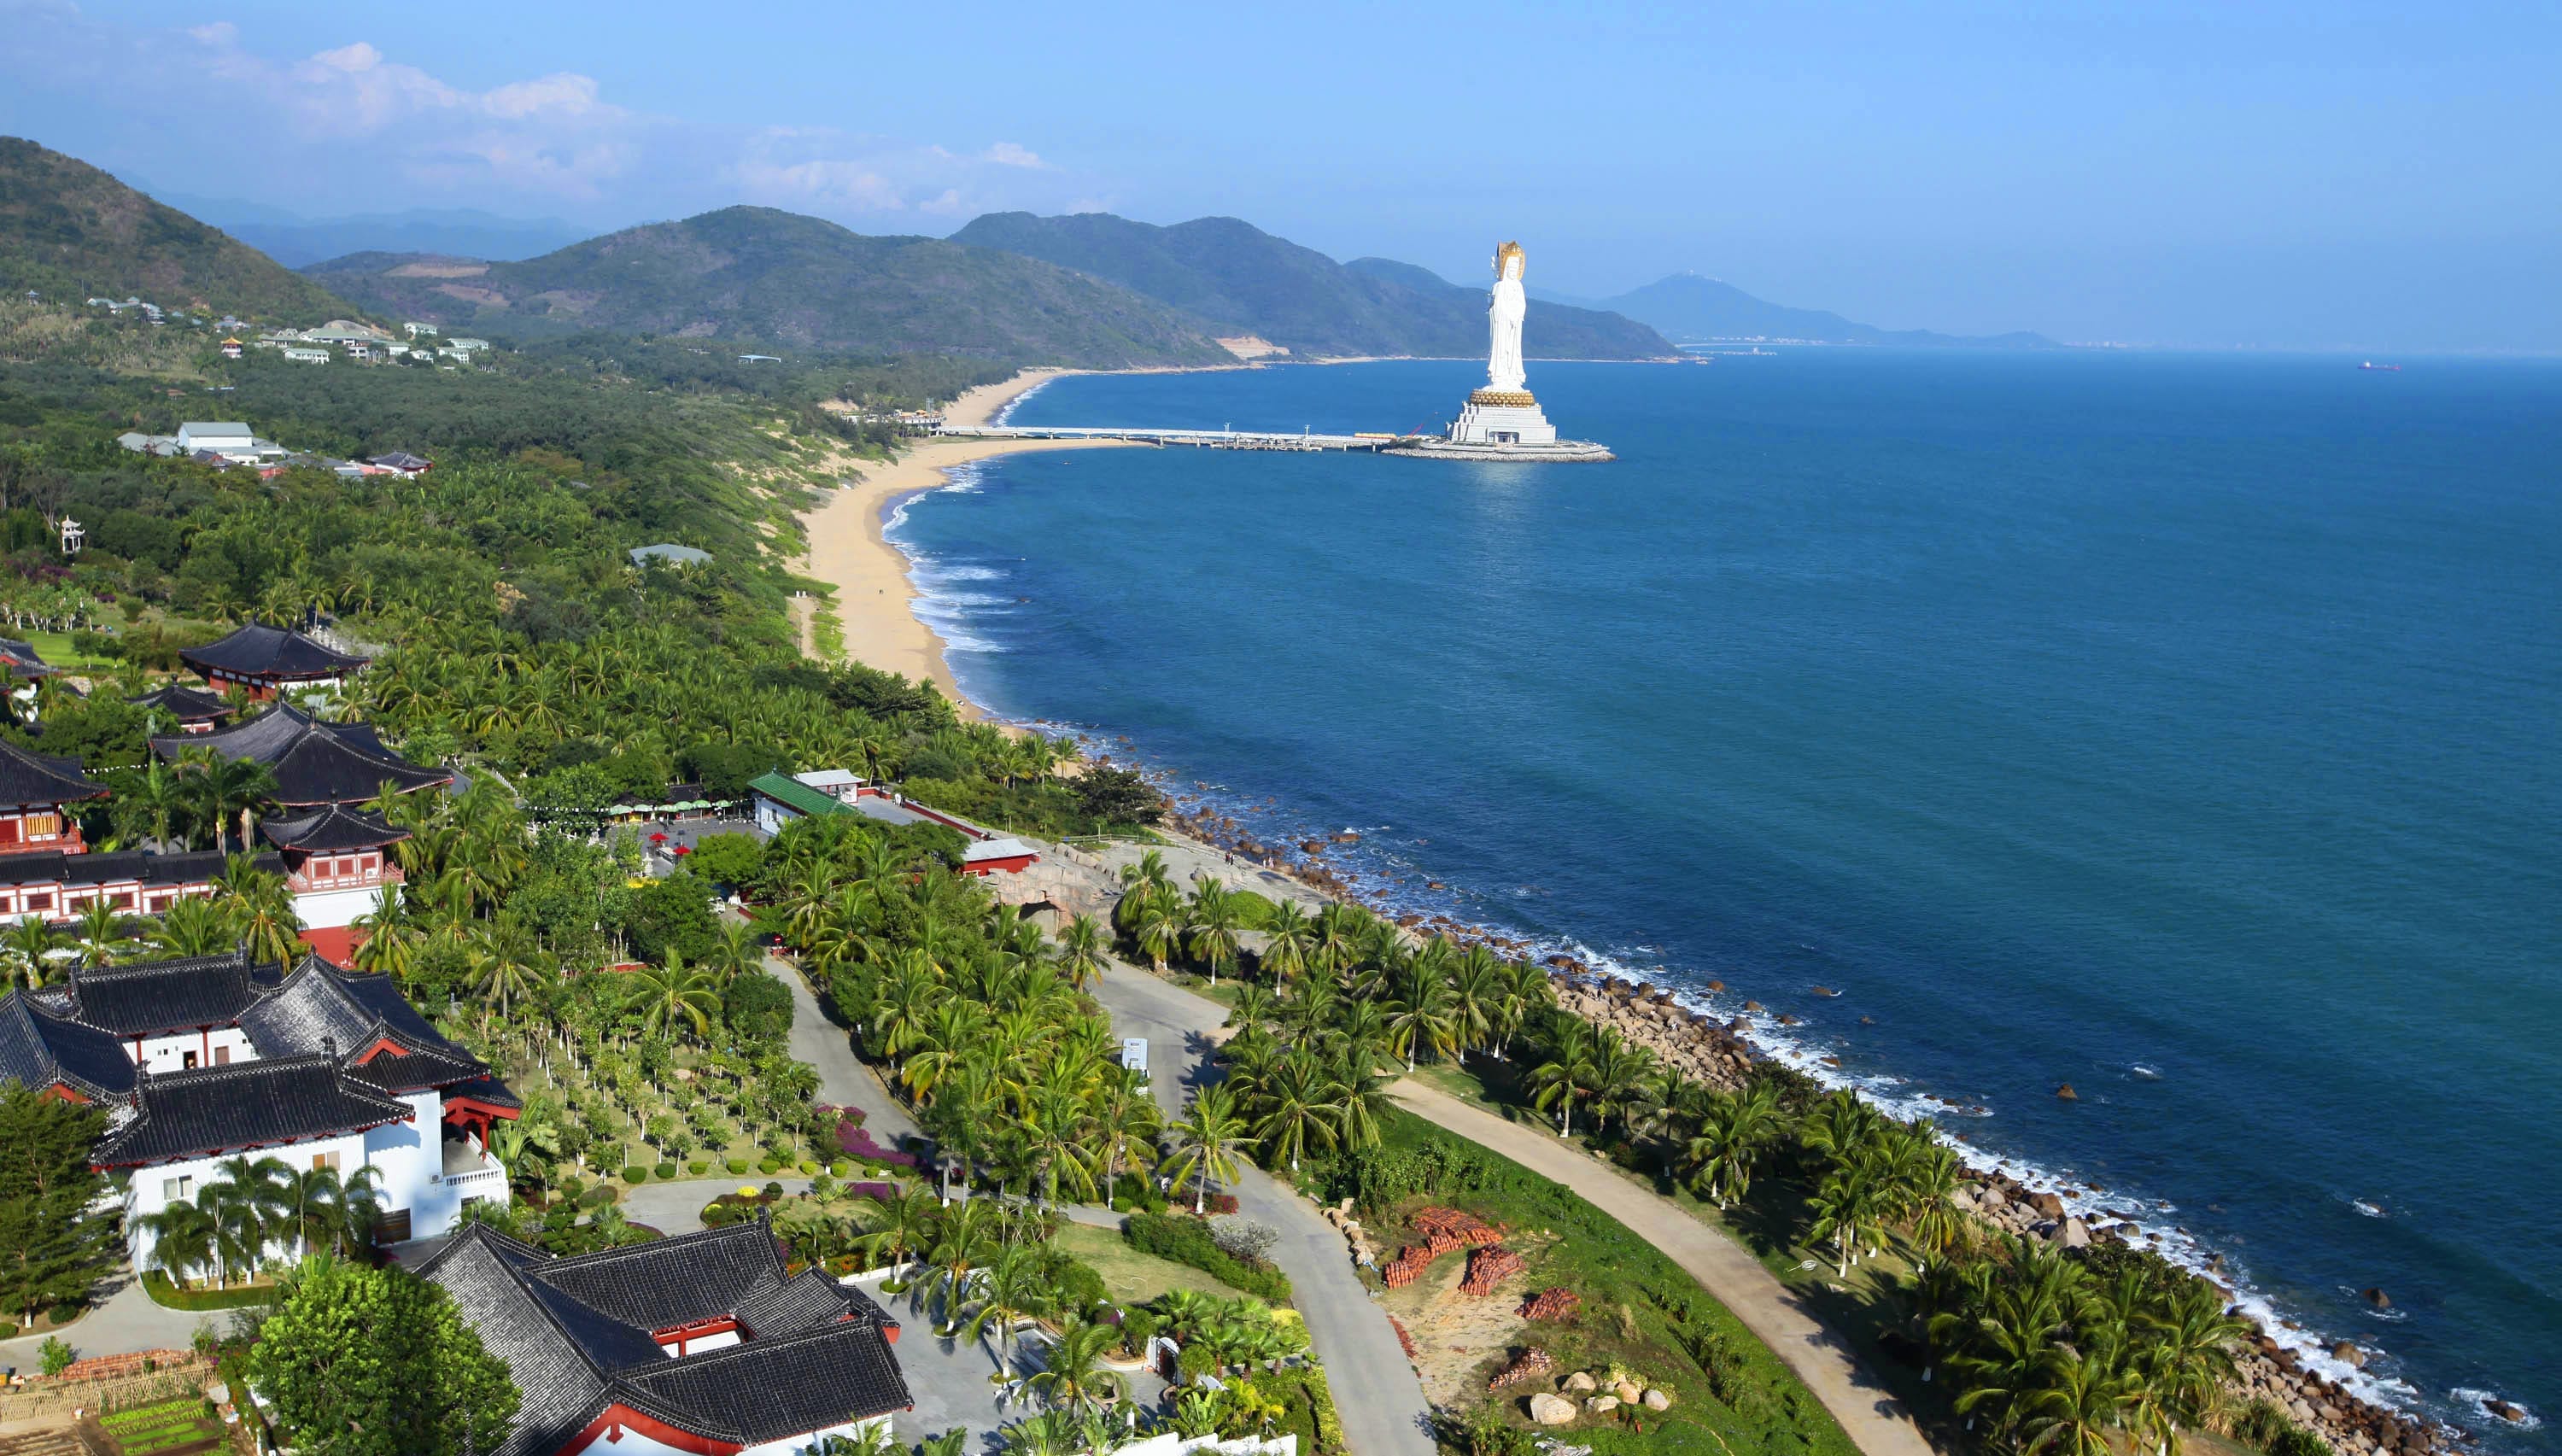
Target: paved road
(127,1322)
(1874,1418)
(843,1080)
(1374,1387)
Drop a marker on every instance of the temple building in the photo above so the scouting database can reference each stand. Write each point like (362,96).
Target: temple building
(35,788)
(268,660)
(701,1344)
(337,863)
(199,1060)
(19,660)
(315,762)
(192,709)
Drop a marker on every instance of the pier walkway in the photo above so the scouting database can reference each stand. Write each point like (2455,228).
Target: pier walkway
(1197,439)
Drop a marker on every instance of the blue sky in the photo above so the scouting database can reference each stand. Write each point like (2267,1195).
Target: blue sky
(2340,175)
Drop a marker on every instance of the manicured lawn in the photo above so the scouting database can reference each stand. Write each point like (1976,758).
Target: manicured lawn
(1129,1274)
(55,648)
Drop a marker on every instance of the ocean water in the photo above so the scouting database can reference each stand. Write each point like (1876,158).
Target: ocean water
(2188,729)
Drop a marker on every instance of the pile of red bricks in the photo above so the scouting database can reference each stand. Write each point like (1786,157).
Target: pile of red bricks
(1488,1266)
(110,1367)
(1535,1362)
(1444,1231)
(1551,1304)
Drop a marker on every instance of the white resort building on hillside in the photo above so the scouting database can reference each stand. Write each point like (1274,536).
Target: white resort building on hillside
(201,1060)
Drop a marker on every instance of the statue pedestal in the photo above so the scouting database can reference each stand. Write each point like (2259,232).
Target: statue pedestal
(1502,417)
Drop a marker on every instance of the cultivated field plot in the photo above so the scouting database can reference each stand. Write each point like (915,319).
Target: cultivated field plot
(179,1426)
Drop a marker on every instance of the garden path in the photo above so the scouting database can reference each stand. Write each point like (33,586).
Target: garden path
(1375,1391)
(843,1080)
(1875,1419)
(127,1322)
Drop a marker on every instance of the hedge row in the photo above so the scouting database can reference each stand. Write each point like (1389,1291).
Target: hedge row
(1186,1241)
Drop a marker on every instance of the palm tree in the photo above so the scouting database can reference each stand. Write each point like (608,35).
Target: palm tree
(2190,1355)
(1476,998)
(1159,925)
(248,1198)
(906,1223)
(222,786)
(1008,1291)
(736,950)
(1288,939)
(962,1250)
(101,930)
(666,996)
(27,949)
(1208,1141)
(1846,1205)
(1733,1136)
(192,926)
(261,907)
(1149,871)
(1073,1377)
(2083,1400)
(1080,947)
(1123,1122)
(1299,1105)
(159,799)
(1419,1015)
(184,1237)
(1214,917)
(1054,1123)
(507,963)
(1565,1076)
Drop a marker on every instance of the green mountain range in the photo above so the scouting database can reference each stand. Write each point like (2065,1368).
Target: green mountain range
(1696,309)
(1242,281)
(68,231)
(757,276)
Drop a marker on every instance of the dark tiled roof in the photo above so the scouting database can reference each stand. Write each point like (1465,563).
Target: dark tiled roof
(245,1104)
(320,1007)
(484,1089)
(557,1387)
(161,995)
(315,762)
(19,659)
(805,1301)
(329,829)
(571,1358)
(259,650)
(675,1281)
(766,1389)
(28,777)
(42,1048)
(136,865)
(184,703)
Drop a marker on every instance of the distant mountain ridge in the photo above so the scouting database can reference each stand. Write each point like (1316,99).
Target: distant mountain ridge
(759,275)
(1240,279)
(68,231)
(1693,308)
(299,242)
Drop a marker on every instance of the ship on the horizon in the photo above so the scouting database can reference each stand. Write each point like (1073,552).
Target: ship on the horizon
(2381,368)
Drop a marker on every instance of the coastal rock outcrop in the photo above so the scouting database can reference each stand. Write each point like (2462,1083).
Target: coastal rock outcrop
(2067,1094)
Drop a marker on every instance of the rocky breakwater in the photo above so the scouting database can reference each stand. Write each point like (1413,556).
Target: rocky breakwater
(1694,1045)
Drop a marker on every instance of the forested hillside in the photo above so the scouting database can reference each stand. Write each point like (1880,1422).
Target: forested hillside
(790,283)
(1244,280)
(68,231)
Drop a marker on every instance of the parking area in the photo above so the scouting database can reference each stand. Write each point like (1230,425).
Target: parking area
(950,1384)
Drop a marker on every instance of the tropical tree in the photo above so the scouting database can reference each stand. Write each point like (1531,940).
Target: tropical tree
(1214,917)
(184,1239)
(1073,1376)
(668,996)
(1080,950)
(1289,937)
(261,908)
(1208,1143)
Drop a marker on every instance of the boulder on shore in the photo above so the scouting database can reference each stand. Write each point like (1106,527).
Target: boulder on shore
(2067,1094)
(1582,1382)
(2349,1355)
(1602,1404)
(2073,1233)
(1550,1410)
(1658,1400)
(2377,1297)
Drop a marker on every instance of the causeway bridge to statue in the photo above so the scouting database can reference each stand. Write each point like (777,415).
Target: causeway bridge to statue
(1304,440)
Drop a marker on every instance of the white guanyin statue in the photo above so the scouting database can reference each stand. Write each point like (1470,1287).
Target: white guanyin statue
(1503,319)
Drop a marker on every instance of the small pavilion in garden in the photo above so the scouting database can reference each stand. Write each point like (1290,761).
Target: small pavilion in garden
(267,660)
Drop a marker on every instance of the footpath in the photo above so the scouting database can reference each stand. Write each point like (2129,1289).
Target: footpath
(1872,1417)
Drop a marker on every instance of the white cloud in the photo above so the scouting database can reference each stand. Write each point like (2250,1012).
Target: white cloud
(347,120)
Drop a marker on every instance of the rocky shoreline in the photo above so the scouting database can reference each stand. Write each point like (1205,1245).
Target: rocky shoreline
(1715,1053)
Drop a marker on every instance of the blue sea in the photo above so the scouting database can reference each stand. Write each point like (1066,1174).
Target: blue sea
(2184,728)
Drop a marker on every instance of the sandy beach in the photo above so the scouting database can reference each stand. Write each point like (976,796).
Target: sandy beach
(874,596)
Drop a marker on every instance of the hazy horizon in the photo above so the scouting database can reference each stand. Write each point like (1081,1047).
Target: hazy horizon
(2351,176)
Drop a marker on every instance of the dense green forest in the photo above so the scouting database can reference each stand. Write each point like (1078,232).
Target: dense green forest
(791,284)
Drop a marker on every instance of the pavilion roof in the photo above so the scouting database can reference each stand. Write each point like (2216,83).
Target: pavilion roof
(31,778)
(246,1104)
(186,704)
(329,828)
(260,651)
